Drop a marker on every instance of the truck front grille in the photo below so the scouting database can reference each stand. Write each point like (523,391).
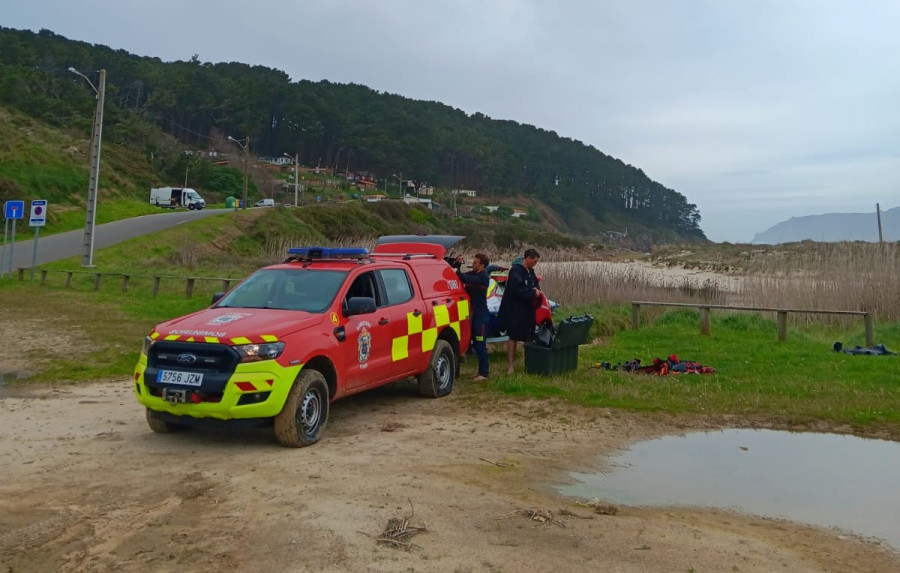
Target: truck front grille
(217,362)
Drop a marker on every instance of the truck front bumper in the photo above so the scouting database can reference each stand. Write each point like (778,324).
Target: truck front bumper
(254,390)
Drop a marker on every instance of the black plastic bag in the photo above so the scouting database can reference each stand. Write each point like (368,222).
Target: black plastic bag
(544,334)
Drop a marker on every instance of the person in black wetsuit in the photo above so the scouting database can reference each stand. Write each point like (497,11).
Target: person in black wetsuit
(476,282)
(517,306)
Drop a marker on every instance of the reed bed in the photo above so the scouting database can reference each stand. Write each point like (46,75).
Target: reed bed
(814,276)
(606,283)
(836,276)
(818,276)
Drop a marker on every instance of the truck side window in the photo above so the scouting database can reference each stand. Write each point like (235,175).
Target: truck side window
(396,286)
(363,285)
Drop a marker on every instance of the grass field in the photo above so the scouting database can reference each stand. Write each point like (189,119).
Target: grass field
(800,380)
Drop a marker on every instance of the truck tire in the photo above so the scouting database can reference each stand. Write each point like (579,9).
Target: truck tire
(437,380)
(161,424)
(191,207)
(305,413)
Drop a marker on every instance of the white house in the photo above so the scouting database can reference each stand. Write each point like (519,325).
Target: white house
(280,161)
(419,201)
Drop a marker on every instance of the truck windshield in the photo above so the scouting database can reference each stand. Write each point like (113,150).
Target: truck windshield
(192,195)
(286,289)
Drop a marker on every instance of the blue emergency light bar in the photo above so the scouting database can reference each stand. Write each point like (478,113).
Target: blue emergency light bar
(329,252)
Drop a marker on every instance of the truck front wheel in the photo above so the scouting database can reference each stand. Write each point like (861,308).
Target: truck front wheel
(305,413)
(191,207)
(437,380)
(161,424)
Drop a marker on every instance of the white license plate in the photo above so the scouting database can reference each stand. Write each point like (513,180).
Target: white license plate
(182,378)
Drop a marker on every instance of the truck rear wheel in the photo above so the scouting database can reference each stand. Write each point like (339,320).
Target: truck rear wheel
(437,380)
(162,424)
(305,413)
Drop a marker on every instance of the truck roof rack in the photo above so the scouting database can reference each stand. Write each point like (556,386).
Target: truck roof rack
(405,256)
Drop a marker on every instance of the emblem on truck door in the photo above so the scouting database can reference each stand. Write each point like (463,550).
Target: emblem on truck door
(364,343)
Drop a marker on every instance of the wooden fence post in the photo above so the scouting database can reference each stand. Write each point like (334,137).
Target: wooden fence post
(125,283)
(870,333)
(68,279)
(704,320)
(43,277)
(21,274)
(155,286)
(782,325)
(97,281)
(226,284)
(189,287)
(635,316)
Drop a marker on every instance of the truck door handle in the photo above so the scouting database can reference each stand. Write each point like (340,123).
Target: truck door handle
(417,313)
(383,321)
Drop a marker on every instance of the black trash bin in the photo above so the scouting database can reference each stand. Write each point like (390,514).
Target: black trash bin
(562,354)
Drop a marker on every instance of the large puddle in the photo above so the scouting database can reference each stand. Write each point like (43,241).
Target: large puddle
(821,479)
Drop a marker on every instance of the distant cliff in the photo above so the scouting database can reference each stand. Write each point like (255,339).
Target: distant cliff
(834,227)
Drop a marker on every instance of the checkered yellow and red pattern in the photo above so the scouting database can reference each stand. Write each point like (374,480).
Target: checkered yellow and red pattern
(422,330)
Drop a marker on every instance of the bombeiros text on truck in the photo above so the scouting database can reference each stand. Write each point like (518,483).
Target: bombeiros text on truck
(293,337)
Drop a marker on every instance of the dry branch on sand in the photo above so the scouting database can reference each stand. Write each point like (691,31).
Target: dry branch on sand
(542,516)
(393,426)
(601,507)
(398,531)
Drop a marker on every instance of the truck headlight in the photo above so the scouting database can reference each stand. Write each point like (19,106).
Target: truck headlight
(255,352)
(148,342)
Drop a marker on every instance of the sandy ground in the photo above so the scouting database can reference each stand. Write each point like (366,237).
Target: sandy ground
(87,487)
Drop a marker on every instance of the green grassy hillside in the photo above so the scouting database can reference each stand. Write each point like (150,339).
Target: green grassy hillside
(42,162)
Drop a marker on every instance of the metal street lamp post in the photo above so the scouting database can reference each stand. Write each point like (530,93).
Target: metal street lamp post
(87,257)
(245,147)
(399,183)
(296,159)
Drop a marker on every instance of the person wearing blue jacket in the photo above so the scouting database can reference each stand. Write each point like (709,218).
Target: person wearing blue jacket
(517,306)
(476,282)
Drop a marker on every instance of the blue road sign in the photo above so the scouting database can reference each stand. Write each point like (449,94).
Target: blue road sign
(14,210)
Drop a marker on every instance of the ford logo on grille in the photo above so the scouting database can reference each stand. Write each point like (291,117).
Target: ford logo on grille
(186,358)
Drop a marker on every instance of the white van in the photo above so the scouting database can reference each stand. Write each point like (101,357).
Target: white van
(265,203)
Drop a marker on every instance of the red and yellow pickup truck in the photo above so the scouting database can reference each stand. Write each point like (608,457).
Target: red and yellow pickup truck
(293,337)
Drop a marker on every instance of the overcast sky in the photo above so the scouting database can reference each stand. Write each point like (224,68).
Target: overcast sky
(755,110)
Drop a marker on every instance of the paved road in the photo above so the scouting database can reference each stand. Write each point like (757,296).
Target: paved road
(65,245)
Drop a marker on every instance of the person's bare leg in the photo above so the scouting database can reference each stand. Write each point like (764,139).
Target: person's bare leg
(510,355)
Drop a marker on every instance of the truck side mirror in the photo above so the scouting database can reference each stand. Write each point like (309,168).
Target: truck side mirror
(216,297)
(360,305)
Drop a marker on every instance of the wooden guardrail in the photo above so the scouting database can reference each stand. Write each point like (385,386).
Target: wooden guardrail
(189,282)
(781,320)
